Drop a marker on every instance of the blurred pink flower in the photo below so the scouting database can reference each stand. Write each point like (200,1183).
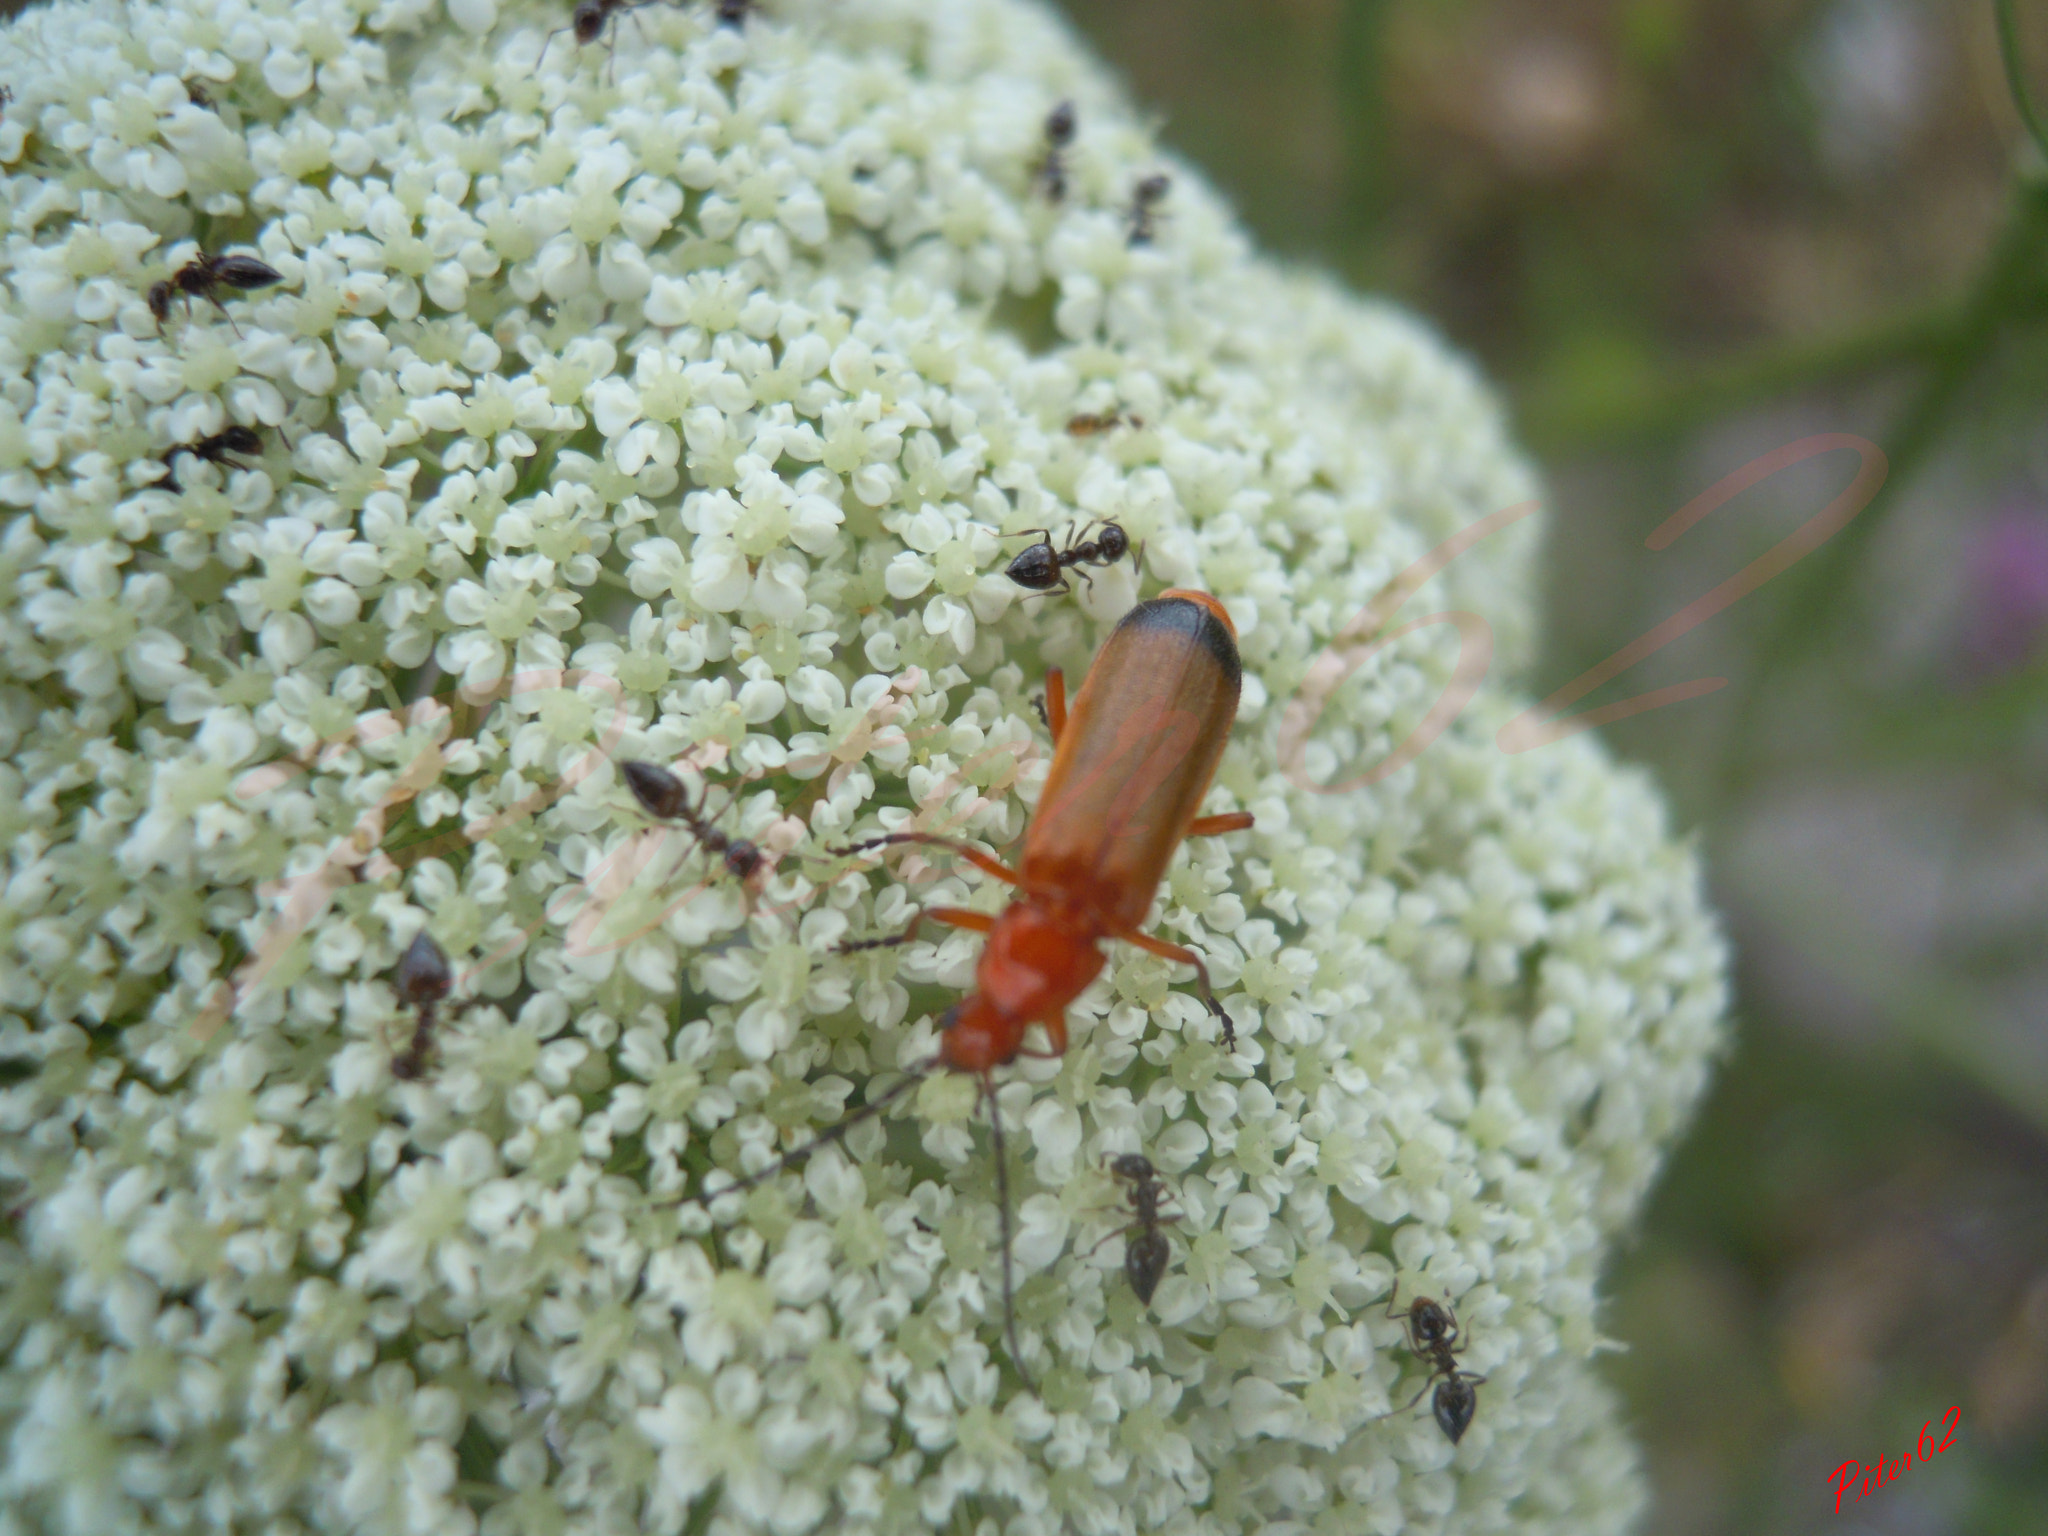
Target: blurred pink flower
(2007,592)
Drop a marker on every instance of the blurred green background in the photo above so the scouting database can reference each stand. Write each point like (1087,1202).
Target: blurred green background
(1683,234)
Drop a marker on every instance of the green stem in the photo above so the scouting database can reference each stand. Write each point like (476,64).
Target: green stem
(1361,97)
(2016,74)
(1807,611)
(1563,428)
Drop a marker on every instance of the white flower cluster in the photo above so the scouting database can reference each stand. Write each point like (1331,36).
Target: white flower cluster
(674,402)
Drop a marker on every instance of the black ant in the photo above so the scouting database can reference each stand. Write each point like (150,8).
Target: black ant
(1095,423)
(1059,133)
(1144,1255)
(1042,568)
(203,277)
(214,450)
(733,13)
(422,979)
(1433,1335)
(1146,196)
(588,23)
(665,797)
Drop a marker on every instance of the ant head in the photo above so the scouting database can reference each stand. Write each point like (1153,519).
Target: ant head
(1037,568)
(1152,189)
(1113,542)
(588,19)
(1132,1165)
(1145,1261)
(1431,1321)
(743,860)
(660,793)
(1059,125)
(240,439)
(1454,1403)
(422,975)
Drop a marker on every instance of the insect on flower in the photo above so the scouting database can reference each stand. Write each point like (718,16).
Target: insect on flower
(1043,568)
(734,13)
(1131,764)
(588,22)
(422,979)
(666,798)
(1146,197)
(203,277)
(1094,424)
(1433,1335)
(1052,169)
(216,449)
(1144,1255)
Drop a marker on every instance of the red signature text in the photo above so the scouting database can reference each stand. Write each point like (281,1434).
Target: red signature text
(1867,1480)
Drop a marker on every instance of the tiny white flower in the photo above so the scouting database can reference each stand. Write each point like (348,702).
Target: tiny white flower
(654,402)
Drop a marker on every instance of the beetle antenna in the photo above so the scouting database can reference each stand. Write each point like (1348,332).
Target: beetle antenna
(797,1155)
(995,1122)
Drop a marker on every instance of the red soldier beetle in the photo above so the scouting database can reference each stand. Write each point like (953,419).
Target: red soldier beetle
(1132,760)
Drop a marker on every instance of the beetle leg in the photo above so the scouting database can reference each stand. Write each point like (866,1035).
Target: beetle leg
(1056,703)
(1185,956)
(952,917)
(986,863)
(1213,826)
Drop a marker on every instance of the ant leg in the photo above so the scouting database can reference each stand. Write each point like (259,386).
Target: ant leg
(1119,1232)
(986,863)
(1215,826)
(215,298)
(1394,1300)
(1056,703)
(995,1122)
(1395,1412)
(952,917)
(1185,956)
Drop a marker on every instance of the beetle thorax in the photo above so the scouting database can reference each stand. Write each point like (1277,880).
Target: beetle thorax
(1039,958)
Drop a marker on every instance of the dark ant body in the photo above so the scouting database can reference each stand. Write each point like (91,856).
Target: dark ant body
(588,22)
(215,449)
(665,797)
(1146,197)
(203,277)
(1144,1255)
(734,13)
(1042,568)
(197,95)
(1094,423)
(1433,1335)
(422,980)
(1059,133)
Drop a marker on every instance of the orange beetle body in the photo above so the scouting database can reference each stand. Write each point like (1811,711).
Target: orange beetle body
(1130,767)
(1133,759)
